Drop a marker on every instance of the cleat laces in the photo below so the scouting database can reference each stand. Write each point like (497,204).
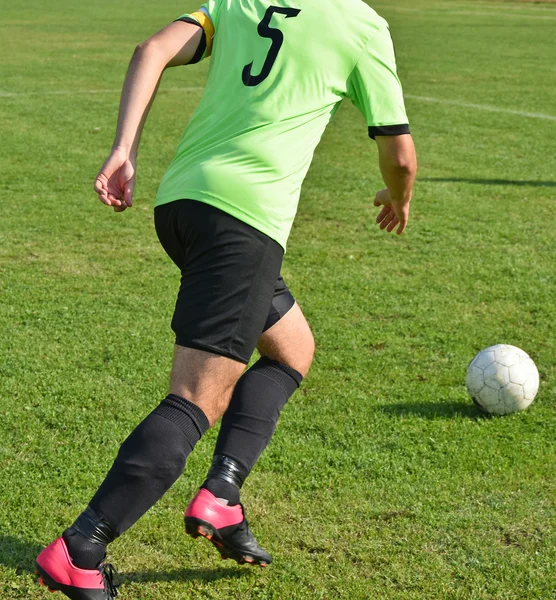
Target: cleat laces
(110,578)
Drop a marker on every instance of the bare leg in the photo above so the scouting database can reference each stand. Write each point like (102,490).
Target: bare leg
(207,380)
(290,341)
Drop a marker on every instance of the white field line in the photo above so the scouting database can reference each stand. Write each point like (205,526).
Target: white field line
(200,89)
(486,107)
(4,94)
(438,12)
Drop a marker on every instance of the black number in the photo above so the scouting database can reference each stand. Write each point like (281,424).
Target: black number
(277,38)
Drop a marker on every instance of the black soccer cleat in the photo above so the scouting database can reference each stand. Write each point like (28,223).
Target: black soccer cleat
(226,528)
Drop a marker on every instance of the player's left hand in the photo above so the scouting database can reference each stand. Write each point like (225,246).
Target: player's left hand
(116,181)
(394,213)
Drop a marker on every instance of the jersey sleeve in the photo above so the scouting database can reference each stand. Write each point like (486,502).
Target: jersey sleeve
(374,87)
(206,18)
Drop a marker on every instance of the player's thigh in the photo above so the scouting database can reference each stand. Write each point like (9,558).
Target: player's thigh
(229,272)
(289,341)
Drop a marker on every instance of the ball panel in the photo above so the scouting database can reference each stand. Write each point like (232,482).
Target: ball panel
(483,359)
(474,379)
(519,373)
(489,397)
(512,394)
(531,386)
(525,403)
(497,376)
(501,409)
(507,357)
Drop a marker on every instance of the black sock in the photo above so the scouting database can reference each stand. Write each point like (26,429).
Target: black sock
(84,553)
(147,465)
(87,538)
(225,478)
(248,425)
(222,490)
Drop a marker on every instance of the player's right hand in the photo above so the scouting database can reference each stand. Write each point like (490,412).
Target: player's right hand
(394,213)
(116,181)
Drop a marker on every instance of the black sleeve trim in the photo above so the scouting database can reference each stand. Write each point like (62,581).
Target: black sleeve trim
(202,44)
(388,130)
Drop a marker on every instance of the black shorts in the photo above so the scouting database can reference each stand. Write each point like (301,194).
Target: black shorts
(231,290)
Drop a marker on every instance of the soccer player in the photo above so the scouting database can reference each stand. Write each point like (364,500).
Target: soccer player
(223,214)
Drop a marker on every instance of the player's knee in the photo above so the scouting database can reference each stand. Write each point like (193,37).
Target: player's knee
(300,356)
(221,405)
(308,354)
(213,401)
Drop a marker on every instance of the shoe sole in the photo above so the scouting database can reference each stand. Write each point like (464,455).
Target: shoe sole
(71,592)
(198,528)
(46,581)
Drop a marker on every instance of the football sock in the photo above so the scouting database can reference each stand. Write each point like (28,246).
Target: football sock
(224,479)
(248,425)
(87,538)
(148,463)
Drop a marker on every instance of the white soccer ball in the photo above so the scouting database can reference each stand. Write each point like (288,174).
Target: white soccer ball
(502,379)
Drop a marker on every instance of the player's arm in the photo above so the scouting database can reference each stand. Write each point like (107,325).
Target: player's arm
(177,44)
(374,87)
(398,164)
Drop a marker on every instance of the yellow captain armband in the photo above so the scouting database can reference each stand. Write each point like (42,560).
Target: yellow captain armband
(205,22)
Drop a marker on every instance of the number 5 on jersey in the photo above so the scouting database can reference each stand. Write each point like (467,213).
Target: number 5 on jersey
(277,37)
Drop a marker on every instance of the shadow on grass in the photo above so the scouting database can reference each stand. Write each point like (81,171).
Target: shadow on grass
(207,575)
(18,554)
(435,410)
(516,182)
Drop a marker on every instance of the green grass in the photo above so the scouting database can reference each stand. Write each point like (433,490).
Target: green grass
(383,482)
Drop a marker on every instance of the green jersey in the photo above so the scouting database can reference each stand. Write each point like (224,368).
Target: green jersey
(278,73)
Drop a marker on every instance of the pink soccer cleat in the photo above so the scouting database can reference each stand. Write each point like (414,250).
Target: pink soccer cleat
(58,573)
(226,527)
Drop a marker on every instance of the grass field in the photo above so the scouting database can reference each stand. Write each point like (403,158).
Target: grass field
(383,482)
